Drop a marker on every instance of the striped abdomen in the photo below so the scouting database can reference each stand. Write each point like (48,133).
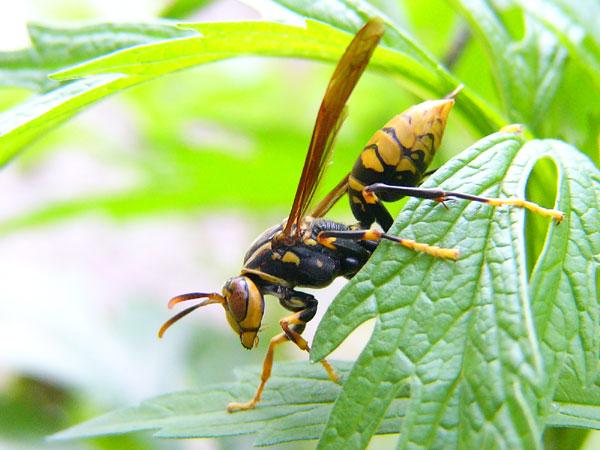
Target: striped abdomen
(398,154)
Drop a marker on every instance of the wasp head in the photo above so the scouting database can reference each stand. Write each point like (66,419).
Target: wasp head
(243,303)
(244,308)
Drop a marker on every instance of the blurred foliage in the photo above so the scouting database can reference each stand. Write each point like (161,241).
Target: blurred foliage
(181,166)
(233,135)
(180,9)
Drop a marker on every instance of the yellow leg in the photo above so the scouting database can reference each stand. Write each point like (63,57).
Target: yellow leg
(440,195)
(297,339)
(533,207)
(302,344)
(330,371)
(370,197)
(327,238)
(265,375)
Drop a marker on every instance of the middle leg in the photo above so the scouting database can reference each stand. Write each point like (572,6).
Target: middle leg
(328,239)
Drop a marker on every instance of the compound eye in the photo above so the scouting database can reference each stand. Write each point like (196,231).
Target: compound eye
(237,300)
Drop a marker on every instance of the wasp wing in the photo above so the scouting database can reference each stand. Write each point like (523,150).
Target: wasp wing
(344,78)
(341,188)
(331,199)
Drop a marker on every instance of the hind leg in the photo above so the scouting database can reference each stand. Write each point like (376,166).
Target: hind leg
(369,194)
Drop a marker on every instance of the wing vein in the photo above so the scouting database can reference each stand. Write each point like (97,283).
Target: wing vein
(330,117)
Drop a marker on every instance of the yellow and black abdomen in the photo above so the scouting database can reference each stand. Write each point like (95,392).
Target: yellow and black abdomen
(397,155)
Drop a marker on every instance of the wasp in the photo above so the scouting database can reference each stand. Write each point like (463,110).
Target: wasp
(305,250)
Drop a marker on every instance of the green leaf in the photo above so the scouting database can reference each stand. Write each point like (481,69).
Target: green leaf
(295,407)
(563,284)
(54,48)
(316,41)
(576,25)
(218,41)
(556,438)
(349,15)
(527,70)
(176,174)
(462,334)
(573,118)
(39,114)
(575,404)
(225,40)
(59,47)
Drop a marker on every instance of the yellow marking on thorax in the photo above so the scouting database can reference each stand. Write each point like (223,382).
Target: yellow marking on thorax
(265,247)
(327,241)
(275,256)
(265,276)
(310,241)
(291,257)
(370,160)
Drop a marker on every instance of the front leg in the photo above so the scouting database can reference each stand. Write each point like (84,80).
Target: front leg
(264,376)
(304,307)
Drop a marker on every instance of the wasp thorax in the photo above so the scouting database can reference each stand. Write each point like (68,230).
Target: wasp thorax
(244,307)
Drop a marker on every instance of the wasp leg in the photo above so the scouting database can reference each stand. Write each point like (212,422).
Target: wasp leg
(304,307)
(265,375)
(367,209)
(294,324)
(328,239)
(441,195)
(370,211)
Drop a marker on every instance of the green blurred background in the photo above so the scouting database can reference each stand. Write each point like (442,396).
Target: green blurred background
(157,192)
